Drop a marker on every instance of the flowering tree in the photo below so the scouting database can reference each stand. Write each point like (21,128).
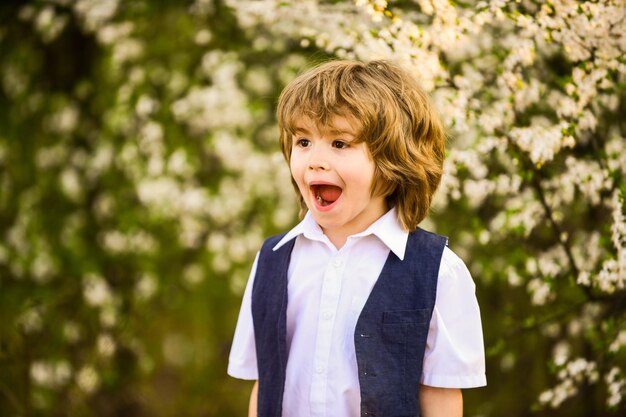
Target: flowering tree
(141,173)
(533,94)
(139,177)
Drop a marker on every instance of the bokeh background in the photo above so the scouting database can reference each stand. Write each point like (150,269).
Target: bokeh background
(140,172)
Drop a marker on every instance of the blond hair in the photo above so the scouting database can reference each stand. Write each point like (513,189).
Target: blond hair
(402,131)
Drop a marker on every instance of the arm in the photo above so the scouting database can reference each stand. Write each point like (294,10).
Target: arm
(441,402)
(455,354)
(252,407)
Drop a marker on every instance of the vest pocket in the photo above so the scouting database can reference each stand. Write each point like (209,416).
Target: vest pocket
(397,324)
(404,335)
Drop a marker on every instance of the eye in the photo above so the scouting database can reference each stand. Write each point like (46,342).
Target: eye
(303,142)
(340,144)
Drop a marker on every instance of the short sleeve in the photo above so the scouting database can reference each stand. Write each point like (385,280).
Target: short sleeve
(455,353)
(242,362)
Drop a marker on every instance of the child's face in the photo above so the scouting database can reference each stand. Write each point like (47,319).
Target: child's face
(334,175)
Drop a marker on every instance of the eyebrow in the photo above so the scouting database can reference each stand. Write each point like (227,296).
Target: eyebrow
(300,129)
(342,132)
(333,131)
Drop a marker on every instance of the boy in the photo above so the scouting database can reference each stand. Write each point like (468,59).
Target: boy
(356,311)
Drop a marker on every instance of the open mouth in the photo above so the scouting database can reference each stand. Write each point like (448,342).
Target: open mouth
(326,194)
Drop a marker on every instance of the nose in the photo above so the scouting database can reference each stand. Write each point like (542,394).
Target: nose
(318,159)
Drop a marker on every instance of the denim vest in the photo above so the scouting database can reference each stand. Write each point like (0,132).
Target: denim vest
(390,334)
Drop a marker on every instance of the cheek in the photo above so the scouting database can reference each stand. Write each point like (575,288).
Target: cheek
(368,172)
(295,167)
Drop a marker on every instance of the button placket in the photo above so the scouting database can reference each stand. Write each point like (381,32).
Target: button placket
(331,287)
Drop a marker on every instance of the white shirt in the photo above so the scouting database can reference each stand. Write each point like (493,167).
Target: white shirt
(327,289)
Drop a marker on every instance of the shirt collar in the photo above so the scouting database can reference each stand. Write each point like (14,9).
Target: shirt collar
(307,227)
(387,228)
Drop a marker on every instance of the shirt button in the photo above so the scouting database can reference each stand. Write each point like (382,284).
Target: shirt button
(319,369)
(337,263)
(327,315)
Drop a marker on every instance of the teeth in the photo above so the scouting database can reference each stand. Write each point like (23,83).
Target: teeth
(319,199)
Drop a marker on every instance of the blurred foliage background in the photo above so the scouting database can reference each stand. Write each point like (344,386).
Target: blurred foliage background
(140,173)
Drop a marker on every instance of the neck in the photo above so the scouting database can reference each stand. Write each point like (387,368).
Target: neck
(339,236)
(338,240)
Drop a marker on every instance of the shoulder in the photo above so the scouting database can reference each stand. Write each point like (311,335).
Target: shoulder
(276,247)
(272,241)
(450,259)
(453,271)
(423,243)
(429,236)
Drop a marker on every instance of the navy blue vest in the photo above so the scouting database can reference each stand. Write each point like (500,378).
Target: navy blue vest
(390,334)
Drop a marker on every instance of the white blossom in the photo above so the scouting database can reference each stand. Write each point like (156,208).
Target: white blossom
(71,332)
(95,13)
(619,342)
(96,290)
(146,287)
(137,241)
(50,374)
(31,320)
(48,23)
(65,120)
(561,353)
(127,50)
(541,143)
(571,376)
(612,276)
(114,32)
(106,345)
(146,105)
(203,37)
(617,386)
(88,379)
(71,184)
(193,275)
(540,291)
